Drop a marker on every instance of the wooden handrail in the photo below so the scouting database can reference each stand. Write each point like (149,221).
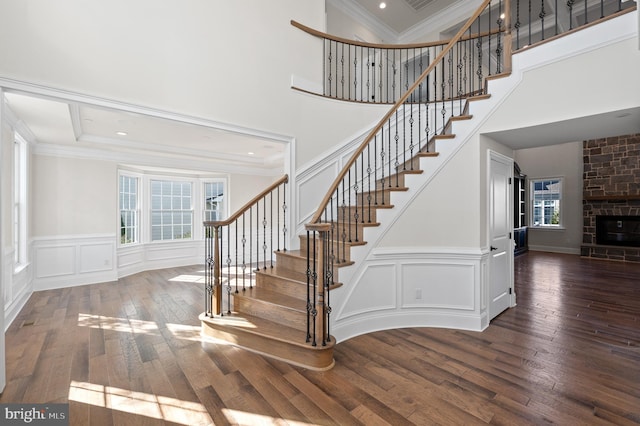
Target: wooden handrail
(248,205)
(320,34)
(325,201)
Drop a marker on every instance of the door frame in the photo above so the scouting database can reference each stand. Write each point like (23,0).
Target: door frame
(496,156)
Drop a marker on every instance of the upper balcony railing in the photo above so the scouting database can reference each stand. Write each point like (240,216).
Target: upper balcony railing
(381,73)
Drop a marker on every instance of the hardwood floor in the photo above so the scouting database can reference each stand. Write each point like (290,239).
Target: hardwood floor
(130,353)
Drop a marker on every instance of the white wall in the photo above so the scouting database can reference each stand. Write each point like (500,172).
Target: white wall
(563,160)
(3,177)
(231,62)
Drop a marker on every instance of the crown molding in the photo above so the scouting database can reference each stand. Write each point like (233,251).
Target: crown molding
(153,159)
(440,21)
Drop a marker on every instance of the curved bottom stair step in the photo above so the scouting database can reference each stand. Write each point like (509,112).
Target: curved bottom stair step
(269,339)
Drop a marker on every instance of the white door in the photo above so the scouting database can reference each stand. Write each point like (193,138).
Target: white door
(500,234)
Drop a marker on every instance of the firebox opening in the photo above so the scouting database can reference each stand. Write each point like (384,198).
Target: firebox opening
(618,230)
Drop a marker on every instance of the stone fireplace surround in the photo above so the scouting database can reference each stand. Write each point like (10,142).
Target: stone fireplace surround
(611,186)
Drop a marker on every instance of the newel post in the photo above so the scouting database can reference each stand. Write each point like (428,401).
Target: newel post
(317,283)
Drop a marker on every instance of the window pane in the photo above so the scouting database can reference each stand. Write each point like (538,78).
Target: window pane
(128,193)
(546,202)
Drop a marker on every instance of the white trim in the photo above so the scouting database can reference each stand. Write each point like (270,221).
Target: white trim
(456,13)
(413,287)
(152,157)
(554,249)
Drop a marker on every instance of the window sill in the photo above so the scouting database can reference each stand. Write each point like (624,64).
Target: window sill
(548,228)
(19,268)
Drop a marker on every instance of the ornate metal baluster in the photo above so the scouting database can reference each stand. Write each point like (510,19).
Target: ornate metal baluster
(397,139)
(271,227)
(570,6)
(443,110)
(369,180)
(330,59)
(541,15)
(228,269)
(517,24)
(244,249)
(284,217)
(500,21)
(264,232)
(529,42)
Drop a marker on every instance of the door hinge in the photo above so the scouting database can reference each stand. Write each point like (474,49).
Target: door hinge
(509,235)
(509,181)
(510,290)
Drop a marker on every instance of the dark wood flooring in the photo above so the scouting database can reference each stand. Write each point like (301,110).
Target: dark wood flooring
(130,353)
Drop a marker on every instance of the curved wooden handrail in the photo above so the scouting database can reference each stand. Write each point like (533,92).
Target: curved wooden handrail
(325,201)
(248,205)
(320,34)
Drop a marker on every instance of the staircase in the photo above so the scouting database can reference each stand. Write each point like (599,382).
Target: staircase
(270,317)
(281,308)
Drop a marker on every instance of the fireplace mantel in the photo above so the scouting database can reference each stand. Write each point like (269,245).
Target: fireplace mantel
(612,197)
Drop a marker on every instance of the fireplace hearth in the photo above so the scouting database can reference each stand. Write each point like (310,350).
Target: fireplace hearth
(618,230)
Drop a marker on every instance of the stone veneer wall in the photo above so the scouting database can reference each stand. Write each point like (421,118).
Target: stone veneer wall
(611,186)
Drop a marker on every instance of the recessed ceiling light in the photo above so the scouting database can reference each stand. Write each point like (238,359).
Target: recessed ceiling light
(250,153)
(121,133)
(383,5)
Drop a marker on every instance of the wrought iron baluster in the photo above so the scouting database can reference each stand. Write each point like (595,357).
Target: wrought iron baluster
(271,227)
(517,24)
(529,42)
(284,217)
(244,249)
(369,180)
(264,232)
(541,15)
(228,269)
(570,6)
(397,138)
(310,261)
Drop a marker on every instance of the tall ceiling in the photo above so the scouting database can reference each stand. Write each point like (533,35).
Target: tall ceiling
(77,126)
(400,15)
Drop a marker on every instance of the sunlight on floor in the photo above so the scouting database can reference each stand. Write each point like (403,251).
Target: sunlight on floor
(246,418)
(127,325)
(140,403)
(117,324)
(188,278)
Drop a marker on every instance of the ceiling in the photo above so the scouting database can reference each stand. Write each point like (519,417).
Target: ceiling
(72,125)
(75,125)
(404,14)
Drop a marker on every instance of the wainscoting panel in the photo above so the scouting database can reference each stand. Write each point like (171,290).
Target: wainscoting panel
(66,261)
(17,286)
(412,287)
(446,286)
(144,257)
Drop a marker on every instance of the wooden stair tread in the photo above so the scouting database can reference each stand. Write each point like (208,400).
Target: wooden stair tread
(295,277)
(445,136)
(264,330)
(271,297)
(297,254)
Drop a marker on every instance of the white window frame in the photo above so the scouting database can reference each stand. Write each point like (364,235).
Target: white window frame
(532,203)
(172,209)
(222,206)
(20,200)
(145,177)
(136,211)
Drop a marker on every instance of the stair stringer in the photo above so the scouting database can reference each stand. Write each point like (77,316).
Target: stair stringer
(372,297)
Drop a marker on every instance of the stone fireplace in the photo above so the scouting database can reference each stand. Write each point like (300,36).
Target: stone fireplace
(611,198)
